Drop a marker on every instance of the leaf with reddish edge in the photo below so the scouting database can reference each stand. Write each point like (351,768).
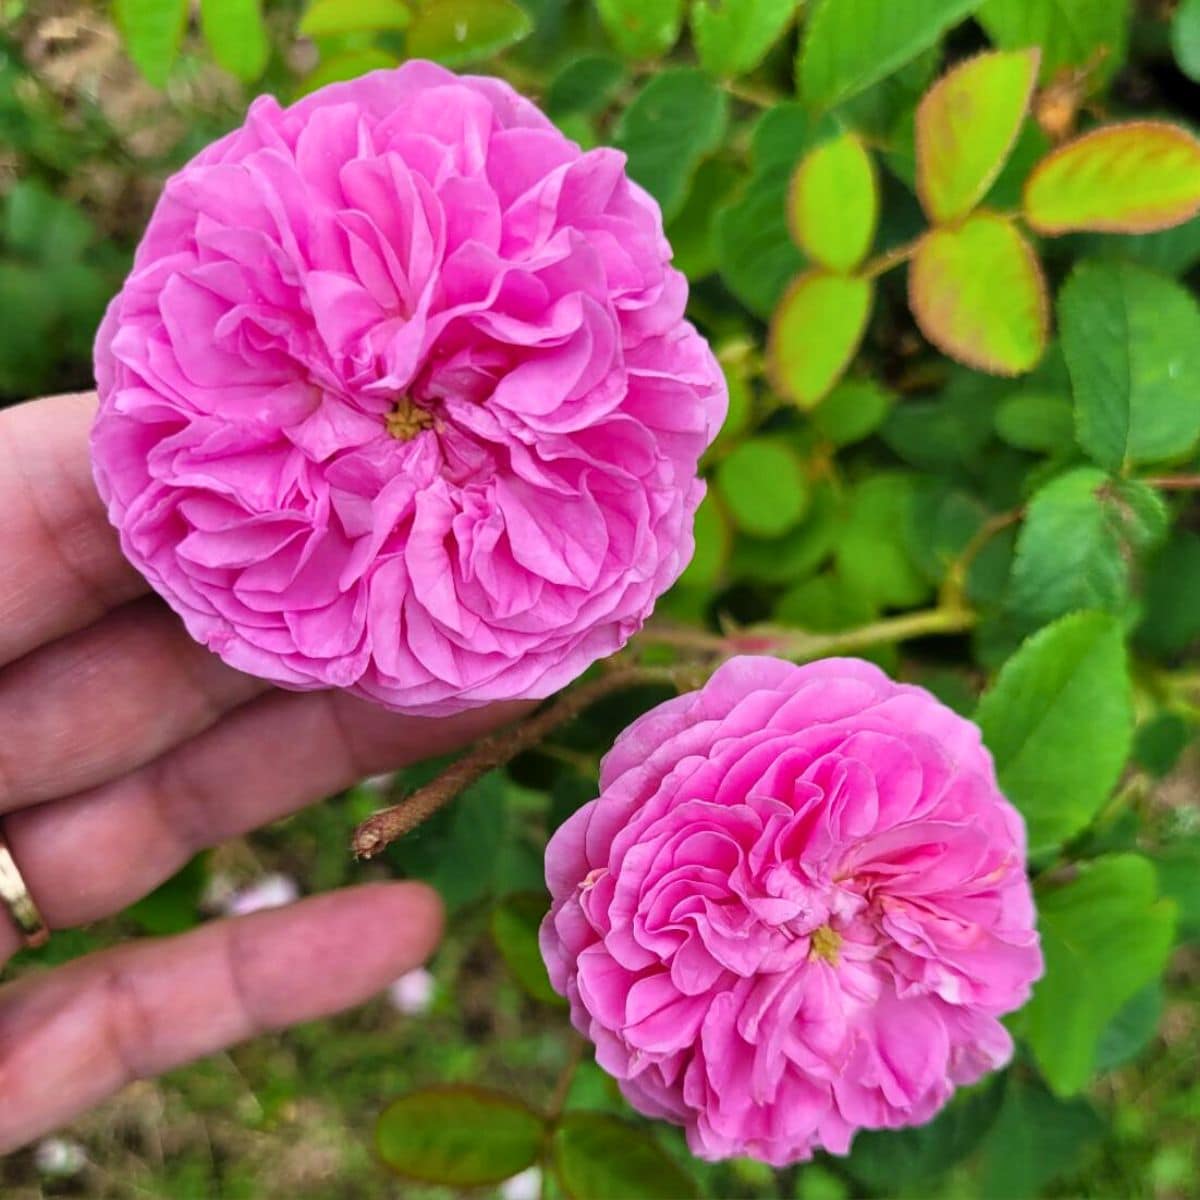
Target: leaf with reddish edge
(815,331)
(1135,177)
(978,295)
(966,127)
(833,203)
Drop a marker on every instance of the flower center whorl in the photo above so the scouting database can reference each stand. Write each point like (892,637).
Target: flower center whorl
(826,943)
(407,420)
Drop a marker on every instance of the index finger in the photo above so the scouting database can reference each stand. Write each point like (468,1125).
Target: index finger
(62,566)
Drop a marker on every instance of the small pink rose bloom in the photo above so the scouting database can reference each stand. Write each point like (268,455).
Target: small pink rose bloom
(399,396)
(796,909)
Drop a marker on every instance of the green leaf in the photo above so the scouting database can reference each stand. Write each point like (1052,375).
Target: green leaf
(977,293)
(966,126)
(1036,1139)
(948,431)
(455,32)
(460,849)
(754,248)
(692,231)
(824,604)
(642,28)
(153,32)
(1132,1029)
(1132,343)
(515,923)
(850,44)
(854,410)
(833,203)
(763,484)
(1105,935)
(1134,177)
(350,65)
(329,18)
(236,35)
(815,332)
(1035,420)
(871,558)
(1171,616)
(1178,867)
(942,522)
(27,350)
(173,906)
(1091,34)
(713,539)
(885,1160)
(1160,741)
(733,36)
(585,85)
(677,119)
(599,1157)
(45,228)
(1185,38)
(1081,534)
(459,1136)
(785,559)
(1059,723)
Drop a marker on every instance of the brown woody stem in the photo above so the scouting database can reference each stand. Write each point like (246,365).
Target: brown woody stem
(1175,483)
(384,827)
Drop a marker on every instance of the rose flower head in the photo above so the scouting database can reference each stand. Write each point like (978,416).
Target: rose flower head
(399,396)
(796,909)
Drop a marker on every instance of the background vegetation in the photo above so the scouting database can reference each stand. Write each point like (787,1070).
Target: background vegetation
(1034,479)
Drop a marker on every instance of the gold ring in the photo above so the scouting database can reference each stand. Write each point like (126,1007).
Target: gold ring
(14,895)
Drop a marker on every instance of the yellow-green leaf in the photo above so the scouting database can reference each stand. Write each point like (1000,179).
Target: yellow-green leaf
(236,35)
(978,294)
(326,18)
(966,127)
(1135,177)
(642,28)
(350,65)
(833,204)
(153,32)
(815,332)
(461,31)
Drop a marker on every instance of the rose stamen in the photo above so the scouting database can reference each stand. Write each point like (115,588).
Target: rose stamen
(407,419)
(826,942)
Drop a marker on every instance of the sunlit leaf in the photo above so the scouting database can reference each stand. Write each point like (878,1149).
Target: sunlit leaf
(237,36)
(458,1136)
(977,293)
(325,18)
(850,44)
(733,36)
(1185,38)
(1129,178)
(462,31)
(763,484)
(966,126)
(1089,35)
(815,331)
(642,28)
(350,65)
(153,32)
(833,203)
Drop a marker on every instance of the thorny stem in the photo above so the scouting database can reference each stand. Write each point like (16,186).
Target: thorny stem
(384,827)
(801,647)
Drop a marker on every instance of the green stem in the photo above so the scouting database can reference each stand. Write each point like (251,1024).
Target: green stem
(889,259)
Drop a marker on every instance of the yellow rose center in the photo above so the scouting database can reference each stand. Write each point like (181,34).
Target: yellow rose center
(826,942)
(407,419)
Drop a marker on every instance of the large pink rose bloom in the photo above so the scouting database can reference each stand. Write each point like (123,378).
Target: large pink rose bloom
(796,909)
(399,396)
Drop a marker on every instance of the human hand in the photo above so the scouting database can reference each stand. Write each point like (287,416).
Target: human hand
(125,748)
